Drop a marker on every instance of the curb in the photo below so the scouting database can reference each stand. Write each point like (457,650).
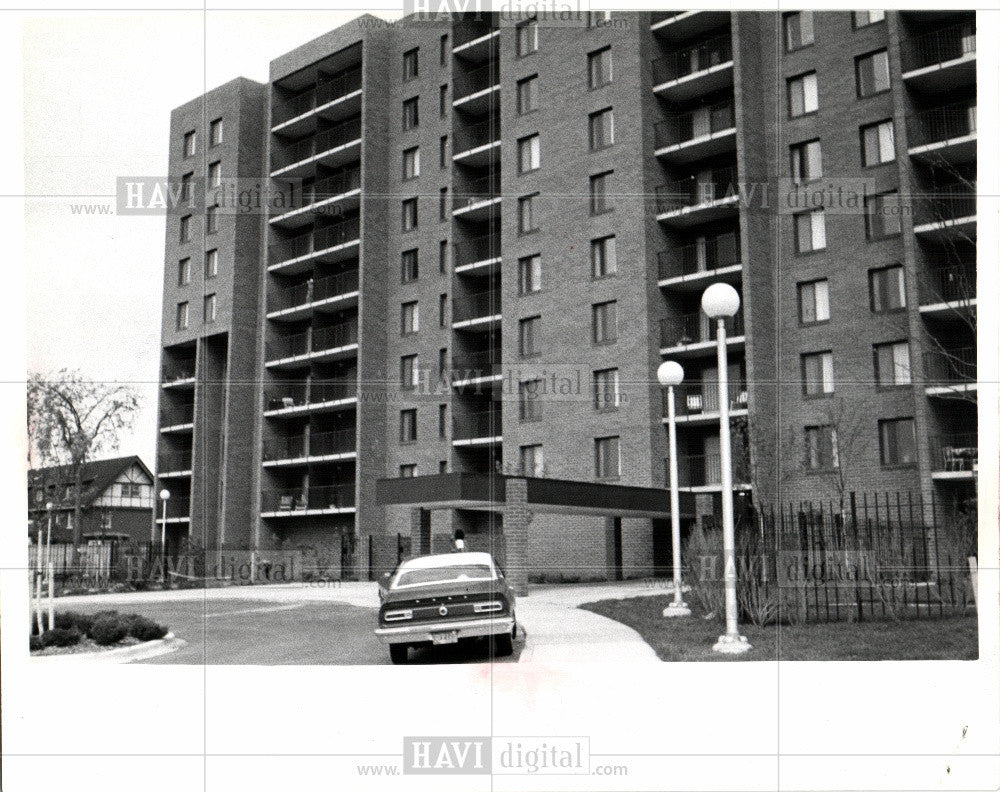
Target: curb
(127,654)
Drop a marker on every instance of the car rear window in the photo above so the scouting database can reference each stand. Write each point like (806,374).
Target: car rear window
(448,574)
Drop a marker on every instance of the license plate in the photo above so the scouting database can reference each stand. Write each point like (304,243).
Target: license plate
(449,637)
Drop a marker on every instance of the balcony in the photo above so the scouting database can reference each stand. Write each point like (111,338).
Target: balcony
(480,200)
(178,375)
(709,196)
(950,372)
(289,399)
(696,402)
(480,311)
(307,501)
(680,25)
(705,132)
(475,89)
(330,98)
(477,254)
(177,417)
(333,147)
(303,448)
(695,71)
(944,135)
(695,334)
(477,144)
(174,464)
(941,60)
(954,456)
(476,368)
(329,196)
(331,292)
(694,266)
(949,289)
(703,472)
(337,341)
(480,427)
(948,211)
(330,243)
(178,511)
(475,46)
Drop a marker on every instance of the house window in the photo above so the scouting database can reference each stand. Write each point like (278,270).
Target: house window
(897,441)
(443,52)
(798,30)
(607,395)
(443,151)
(190,143)
(442,361)
(605,322)
(607,457)
(872,73)
(409,318)
(864,18)
(185,233)
(821,448)
(409,214)
(529,156)
(810,231)
(527,37)
(528,336)
(182,316)
(599,67)
(407,471)
(212,219)
(443,256)
(187,182)
(409,372)
(878,143)
(411,163)
(212,264)
(817,374)
(529,400)
(882,215)
(803,95)
(408,426)
(215,132)
(532,461)
(210,305)
(527,94)
(443,101)
(814,301)
(411,64)
(184,272)
(411,113)
(599,200)
(410,265)
(443,204)
(443,310)
(526,220)
(807,162)
(442,421)
(215,174)
(529,274)
(887,289)
(603,260)
(602,129)
(892,364)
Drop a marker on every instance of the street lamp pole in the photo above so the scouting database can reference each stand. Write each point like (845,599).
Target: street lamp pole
(49,569)
(721,301)
(669,374)
(164,497)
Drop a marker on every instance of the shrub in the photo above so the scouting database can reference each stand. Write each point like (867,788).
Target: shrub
(144,629)
(70,619)
(35,643)
(60,636)
(108,629)
(703,557)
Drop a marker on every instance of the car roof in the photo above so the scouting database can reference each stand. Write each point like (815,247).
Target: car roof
(446,560)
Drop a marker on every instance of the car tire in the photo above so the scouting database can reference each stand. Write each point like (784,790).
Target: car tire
(503,645)
(399,653)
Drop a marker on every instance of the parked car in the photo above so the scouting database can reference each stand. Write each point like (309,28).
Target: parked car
(444,599)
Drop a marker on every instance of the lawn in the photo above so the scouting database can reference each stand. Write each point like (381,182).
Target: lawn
(691,638)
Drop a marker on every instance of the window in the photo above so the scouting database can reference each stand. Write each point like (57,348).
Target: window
(443,256)
(411,163)
(882,215)
(817,374)
(527,94)
(532,461)
(892,364)
(185,232)
(210,304)
(605,322)
(864,18)
(443,152)
(215,132)
(606,390)
(810,231)
(184,272)
(442,421)
(409,318)
(603,260)
(408,426)
(602,129)
(529,154)
(212,219)
(897,441)
(443,310)
(409,214)
(529,274)
(528,336)
(878,143)
(798,30)
(886,287)
(803,95)
(442,362)
(211,264)
(527,37)
(410,265)
(443,101)
(821,448)
(607,457)
(409,372)
(872,72)
(599,200)
(443,53)
(411,64)
(526,220)
(814,301)
(807,162)
(407,471)
(599,67)
(190,143)
(215,174)
(411,113)
(529,400)
(182,315)
(187,181)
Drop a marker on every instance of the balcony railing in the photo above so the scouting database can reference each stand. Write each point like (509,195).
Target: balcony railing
(955,453)
(314,341)
(464,33)
(475,135)
(953,283)
(340,183)
(312,241)
(323,93)
(939,46)
(344,132)
(706,255)
(697,190)
(705,470)
(300,393)
(696,328)
(478,190)
(342,441)
(695,124)
(314,290)
(693,59)
(177,372)
(476,80)
(949,367)
(176,508)
(476,306)
(478,424)
(943,204)
(177,414)
(942,123)
(174,461)
(476,364)
(697,398)
(336,496)
(481,248)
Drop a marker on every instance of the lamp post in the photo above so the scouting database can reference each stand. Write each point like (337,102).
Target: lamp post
(670,374)
(719,302)
(49,507)
(164,497)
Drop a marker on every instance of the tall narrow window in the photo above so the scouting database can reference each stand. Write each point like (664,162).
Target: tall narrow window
(814,301)
(526,214)
(411,113)
(803,95)
(817,374)
(182,315)
(599,67)
(184,272)
(408,426)
(442,421)
(810,231)
(530,400)
(897,441)
(190,143)
(409,318)
(601,129)
(443,204)
(411,63)
(409,372)
(211,264)
(864,18)
(212,219)
(887,289)
(529,270)
(215,174)
(607,457)
(187,183)
(878,143)
(443,256)
(600,200)
(529,154)
(185,230)
(215,132)
(411,163)
(872,72)
(409,214)
(605,322)
(443,52)
(410,265)
(603,259)
(528,336)
(527,94)
(527,37)
(821,448)
(443,101)
(882,215)
(443,151)
(606,390)
(798,30)
(443,310)
(892,364)
(532,461)
(210,305)
(807,162)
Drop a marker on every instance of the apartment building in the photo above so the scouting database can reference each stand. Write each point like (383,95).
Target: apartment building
(482,236)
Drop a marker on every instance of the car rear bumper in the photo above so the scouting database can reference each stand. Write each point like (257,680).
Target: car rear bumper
(468,628)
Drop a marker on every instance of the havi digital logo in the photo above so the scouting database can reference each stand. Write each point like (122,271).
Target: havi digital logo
(446,755)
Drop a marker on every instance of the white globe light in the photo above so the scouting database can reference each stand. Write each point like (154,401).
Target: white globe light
(670,373)
(720,300)
(164,494)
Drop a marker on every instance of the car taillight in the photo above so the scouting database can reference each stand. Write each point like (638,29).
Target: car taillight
(488,607)
(397,615)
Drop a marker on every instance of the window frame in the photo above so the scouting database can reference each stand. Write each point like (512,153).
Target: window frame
(409,318)
(533,144)
(890,347)
(409,265)
(211,263)
(600,392)
(215,126)
(528,330)
(597,115)
(880,199)
(411,64)
(529,404)
(876,126)
(883,442)
(534,269)
(799,160)
(605,204)
(803,322)
(408,420)
(900,281)
(601,309)
(600,245)
(825,387)
(411,163)
(789,47)
(411,113)
(184,271)
(801,78)
(183,316)
(861,59)
(407,204)
(530,80)
(595,57)
(799,250)
(531,40)
(529,201)
(599,457)
(210,308)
